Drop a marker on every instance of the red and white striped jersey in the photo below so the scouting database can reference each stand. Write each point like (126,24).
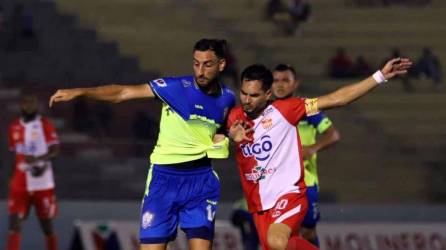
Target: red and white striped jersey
(31,138)
(271,164)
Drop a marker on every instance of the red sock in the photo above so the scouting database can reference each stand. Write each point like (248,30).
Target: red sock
(51,242)
(13,241)
(297,242)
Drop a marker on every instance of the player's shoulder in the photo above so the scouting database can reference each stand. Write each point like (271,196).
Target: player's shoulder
(45,120)
(288,102)
(15,123)
(184,81)
(227,91)
(228,95)
(236,112)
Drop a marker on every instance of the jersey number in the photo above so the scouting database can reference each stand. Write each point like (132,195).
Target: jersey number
(281,204)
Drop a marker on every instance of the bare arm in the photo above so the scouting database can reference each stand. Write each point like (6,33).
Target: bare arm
(110,93)
(350,93)
(328,138)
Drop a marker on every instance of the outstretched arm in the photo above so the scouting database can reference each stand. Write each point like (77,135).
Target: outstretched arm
(350,93)
(111,93)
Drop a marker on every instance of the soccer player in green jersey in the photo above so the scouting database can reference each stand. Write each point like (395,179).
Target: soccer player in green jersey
(182,189)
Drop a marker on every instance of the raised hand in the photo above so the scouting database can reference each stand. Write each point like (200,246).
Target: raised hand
(239,131)
(64,95)
(396,66)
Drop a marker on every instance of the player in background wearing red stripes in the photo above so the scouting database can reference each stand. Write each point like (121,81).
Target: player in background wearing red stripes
(34,141)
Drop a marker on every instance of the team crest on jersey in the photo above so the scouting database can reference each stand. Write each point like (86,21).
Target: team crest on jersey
(34,135)
(160,82)
(267,123)
(147,219)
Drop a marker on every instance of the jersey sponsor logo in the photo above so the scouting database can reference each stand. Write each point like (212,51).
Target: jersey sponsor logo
(268,110)
(197,106)
(26,149)
(260,150)
(160,82)
(212,202)
(147,219)
(259,173)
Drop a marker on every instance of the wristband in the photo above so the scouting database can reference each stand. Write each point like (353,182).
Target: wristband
(379,77)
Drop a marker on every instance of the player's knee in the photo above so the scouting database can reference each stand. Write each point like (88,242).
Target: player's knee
(277,242)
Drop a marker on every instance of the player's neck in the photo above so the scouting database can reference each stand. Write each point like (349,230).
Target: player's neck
(28,117)
(213,88)
(254,115)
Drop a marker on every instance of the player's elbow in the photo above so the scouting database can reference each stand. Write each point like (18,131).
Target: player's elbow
(120,96)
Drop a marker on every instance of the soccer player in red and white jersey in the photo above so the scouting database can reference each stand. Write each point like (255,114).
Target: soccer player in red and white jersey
(269,153)
(34,141)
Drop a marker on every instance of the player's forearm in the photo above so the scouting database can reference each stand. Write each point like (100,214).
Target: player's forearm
(110,93)
(347,94)
(330,137)
(53,151)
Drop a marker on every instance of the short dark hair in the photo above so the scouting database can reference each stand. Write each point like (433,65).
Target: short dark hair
(284,67)
(219,46)
(258,72)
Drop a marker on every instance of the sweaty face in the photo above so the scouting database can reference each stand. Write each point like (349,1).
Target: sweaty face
(207,67)
(284,84)
(253,98)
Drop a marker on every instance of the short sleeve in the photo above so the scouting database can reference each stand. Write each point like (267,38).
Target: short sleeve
(11,141)
(50,133)
(171,91)
(232,117)
(293,109)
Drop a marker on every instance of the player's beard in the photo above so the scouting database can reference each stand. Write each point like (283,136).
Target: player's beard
(28,116)
(208,85)
(255,112)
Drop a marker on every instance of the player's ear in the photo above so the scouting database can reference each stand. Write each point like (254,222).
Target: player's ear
(269,94)
(221,64)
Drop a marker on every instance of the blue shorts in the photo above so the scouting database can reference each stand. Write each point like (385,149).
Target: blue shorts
(314,213)
(184,197)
